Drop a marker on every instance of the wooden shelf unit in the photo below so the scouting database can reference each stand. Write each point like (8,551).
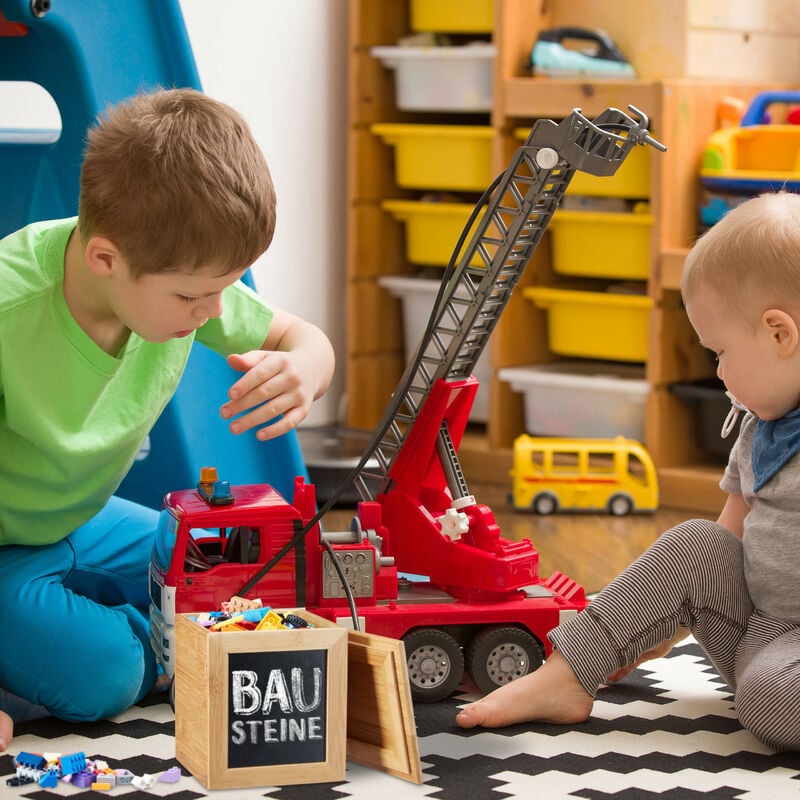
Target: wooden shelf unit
(682,113)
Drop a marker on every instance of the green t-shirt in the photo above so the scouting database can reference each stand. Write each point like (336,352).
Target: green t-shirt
(73,417)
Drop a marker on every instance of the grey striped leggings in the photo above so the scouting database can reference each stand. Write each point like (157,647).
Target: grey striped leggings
(693,576)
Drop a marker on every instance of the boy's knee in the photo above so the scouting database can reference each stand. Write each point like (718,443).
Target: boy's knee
(113,686)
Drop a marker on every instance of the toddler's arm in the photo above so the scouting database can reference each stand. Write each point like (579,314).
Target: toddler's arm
(733,513)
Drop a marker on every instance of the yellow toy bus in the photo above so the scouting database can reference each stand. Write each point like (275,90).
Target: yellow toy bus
(555,474)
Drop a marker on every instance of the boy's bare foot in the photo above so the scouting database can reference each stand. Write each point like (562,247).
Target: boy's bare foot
(6,731)
(550,694)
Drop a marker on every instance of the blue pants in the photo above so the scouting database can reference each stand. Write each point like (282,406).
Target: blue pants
(82,651)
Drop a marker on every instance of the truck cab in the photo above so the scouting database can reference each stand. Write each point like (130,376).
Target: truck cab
(210,540)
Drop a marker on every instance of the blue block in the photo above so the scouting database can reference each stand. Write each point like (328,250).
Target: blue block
(49,779)
(30,760)
(74,762)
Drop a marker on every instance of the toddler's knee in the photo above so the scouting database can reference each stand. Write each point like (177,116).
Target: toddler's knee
(765,709)
(703,539)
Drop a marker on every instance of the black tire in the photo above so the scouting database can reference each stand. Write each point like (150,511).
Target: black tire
(501,654)
(620,505)
(545,504)
(435,664)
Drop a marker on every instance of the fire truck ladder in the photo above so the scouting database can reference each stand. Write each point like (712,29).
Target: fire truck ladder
(478,284)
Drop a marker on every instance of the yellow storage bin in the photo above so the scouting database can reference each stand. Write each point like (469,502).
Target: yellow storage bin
(601,244)
(452,16)
(588,324)
(631,180)
(432,229)
(454,157)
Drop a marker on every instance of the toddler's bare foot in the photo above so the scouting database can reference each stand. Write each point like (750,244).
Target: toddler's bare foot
(550,694)
(6,731)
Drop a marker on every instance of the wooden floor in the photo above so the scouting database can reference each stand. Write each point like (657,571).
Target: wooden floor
(590,548)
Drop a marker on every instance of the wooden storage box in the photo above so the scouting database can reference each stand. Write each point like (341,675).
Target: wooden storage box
(261,708)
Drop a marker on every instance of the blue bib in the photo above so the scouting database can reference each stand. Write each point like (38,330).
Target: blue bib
(774,443)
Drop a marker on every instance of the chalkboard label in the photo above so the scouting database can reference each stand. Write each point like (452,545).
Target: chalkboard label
(276,707)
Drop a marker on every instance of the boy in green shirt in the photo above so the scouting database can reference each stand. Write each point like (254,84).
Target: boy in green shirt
(97,318)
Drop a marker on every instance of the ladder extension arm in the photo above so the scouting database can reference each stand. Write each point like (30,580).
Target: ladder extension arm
(479,282)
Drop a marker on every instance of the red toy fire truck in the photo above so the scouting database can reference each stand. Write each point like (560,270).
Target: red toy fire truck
(482,606)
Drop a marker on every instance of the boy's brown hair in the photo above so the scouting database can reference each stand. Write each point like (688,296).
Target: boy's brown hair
(751,256)
(176,181)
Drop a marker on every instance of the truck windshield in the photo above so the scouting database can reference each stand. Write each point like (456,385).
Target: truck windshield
(164,542)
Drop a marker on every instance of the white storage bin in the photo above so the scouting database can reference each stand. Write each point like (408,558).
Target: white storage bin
(441,78)
(581,399)
(418,296)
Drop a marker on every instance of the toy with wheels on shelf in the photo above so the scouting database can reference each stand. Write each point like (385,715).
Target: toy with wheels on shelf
(756,155)
(551,474)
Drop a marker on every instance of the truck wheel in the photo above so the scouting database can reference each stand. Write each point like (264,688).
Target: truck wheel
(620,505)
(435,664)
(501,654)
(545,504)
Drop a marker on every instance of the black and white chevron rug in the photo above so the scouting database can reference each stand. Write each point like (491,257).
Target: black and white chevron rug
(668,731)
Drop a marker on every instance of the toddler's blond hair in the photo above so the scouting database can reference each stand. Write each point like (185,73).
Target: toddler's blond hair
(751,256)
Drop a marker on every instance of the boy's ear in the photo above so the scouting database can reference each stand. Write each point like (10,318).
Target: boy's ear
(782,329)
(101,255)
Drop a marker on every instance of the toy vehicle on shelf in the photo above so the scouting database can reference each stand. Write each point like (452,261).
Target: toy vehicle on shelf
(755,156)
(481,605)
(556,474)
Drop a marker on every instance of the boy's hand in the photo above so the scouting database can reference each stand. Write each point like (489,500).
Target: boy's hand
(275,383)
